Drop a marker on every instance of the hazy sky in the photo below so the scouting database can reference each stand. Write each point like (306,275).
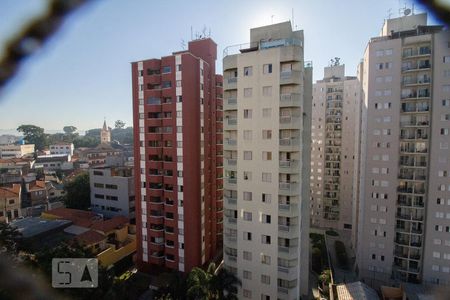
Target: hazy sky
(83,74)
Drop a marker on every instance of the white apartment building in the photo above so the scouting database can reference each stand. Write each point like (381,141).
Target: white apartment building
(404,209)
(267,120)
(16,151)
(62,148)
(112,192)
(334,132)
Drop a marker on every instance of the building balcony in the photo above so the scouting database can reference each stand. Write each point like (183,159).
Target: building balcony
(231,201)
(230,124)
(401,254)
(290,77)
(231,258)
(414,123)
(288,122)
(417,81)
(230,238)
(417,53)
(230,83)
(287,273)
(230,144)
(288,208)
(410,203)
(288,231)
(288,188)
(290,100)
(290,53)
(287,251)
(416,67)
(290,144)
(415,96)
(289,166)
(231,221)
(416,244)
(410,190)
(230,104)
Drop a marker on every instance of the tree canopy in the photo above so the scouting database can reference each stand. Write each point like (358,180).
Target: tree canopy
(119,124)
(69,129)
(210,284)
(78,192)
(34,135)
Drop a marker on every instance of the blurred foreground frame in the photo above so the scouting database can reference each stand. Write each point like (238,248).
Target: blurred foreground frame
(33,35)
(18,283)
(438,8)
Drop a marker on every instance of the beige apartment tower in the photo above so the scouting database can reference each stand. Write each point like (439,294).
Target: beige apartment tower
(404,209)
(335,128)
(267,117)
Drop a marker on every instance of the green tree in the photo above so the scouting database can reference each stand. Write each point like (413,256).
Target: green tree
(9,236)
(86,141)
(78,192)
(212,284)
(122,135)
(69,129)
(119,124)
(34,135)
(176,288)
(325,278)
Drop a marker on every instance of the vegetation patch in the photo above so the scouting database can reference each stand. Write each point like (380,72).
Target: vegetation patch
(332,233)
(341,254)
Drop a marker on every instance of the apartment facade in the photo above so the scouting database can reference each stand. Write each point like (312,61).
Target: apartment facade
(334,131)
(113,192)
(177,107)
(10,201)
(16,151)
(267,120)
(62,148)
(404,209)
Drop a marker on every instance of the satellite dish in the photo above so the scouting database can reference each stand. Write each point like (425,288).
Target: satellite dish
(407,11)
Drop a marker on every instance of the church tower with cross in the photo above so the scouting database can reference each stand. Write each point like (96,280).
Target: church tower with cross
(105,134)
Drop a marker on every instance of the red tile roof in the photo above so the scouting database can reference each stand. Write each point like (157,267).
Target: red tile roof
(13,191)
(78,217)
(90,237)
(37,185)
(111,224)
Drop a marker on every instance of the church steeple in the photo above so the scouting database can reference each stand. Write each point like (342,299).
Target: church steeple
(105,134)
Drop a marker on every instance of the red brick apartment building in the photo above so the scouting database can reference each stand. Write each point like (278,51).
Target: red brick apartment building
(177,112)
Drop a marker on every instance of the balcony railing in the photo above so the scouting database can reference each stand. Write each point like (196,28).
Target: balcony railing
(231,161)
(232,180)
(287,185)
(232,101)
(289,142)
(231,200)
(231,142)
(231,121)
(232,80)
(232,220)
(292,99)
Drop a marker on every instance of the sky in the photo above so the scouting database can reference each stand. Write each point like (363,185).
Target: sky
(83,74)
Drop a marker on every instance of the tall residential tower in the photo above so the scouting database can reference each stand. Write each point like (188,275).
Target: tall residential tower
(177,109)
(335,127)
(267,120)
(404,216)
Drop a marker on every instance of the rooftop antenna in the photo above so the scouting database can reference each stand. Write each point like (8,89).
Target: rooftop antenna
(293,24)
(272,18)
(183,44)
(389,13)
(192,35)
